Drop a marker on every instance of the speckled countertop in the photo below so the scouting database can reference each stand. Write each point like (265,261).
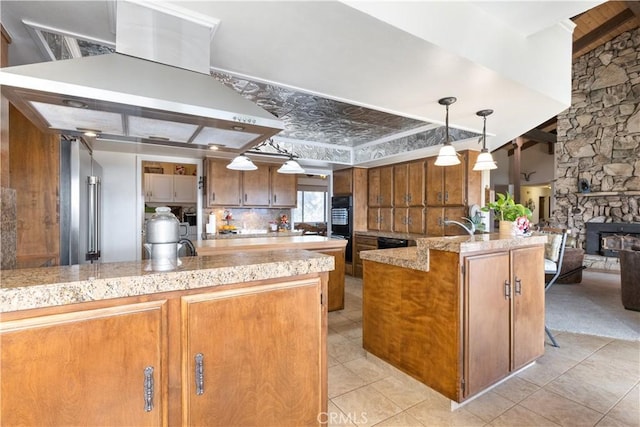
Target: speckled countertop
(417,257)
(27,288)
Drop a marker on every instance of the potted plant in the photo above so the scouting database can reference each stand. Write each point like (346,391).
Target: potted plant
(510,214)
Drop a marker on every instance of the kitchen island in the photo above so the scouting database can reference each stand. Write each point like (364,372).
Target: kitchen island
(210,343)
(458,313)
(325,245)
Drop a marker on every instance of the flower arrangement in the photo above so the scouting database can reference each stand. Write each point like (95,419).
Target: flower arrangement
(284,222)
(523,225)
(227,216)
(506,209)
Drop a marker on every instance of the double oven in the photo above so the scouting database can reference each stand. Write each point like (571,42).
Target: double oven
(342,221)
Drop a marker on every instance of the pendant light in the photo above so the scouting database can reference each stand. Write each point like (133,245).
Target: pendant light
(242,163)
(447,155)
(291,167)
(485,160)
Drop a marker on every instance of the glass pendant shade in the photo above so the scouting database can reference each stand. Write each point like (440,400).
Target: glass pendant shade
(291,167)
(447,156)
(485,162)
(242,163)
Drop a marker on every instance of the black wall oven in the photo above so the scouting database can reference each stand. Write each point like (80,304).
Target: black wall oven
(342,221)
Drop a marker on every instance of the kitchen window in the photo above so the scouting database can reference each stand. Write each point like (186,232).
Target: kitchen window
(312,207)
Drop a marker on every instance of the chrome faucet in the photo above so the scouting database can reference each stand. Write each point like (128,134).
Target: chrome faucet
(471,230)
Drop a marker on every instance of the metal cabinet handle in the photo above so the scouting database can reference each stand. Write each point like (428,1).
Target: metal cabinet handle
(148,388)
(213,196)
(446,196)
(245,197)
(199,374)
(507,289)
(518,286)
(275,198)
(439,196)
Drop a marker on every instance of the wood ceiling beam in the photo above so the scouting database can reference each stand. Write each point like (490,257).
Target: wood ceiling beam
(602,30)
(523,145)
(541,136)
(634,6)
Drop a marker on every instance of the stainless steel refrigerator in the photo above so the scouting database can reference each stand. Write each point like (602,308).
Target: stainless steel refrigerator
(80,203)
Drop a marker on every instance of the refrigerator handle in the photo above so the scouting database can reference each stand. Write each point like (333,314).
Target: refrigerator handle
(93,246)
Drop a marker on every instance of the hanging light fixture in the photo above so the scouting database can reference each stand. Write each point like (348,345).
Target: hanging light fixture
(485,160)
(447,155)
(242,163)
(291,167)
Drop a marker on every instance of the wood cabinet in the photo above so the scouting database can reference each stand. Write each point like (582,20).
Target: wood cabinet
(409,184)
(436,215)
(255,187)
(457,185)
(254,356)
(381,186)
(465,324)
(362,243)
(223,185)
(380,219)
(242,354)
(335,291)
(409,220)
(87,367)
(343,182)
(263,187)
(504,302)
(164,188)
(284,189)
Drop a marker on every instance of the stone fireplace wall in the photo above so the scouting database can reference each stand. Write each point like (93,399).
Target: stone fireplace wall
(599,139)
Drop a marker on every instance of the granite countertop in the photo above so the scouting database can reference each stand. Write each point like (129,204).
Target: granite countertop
(209,247)
(417,257)
(28,288)
(243,235)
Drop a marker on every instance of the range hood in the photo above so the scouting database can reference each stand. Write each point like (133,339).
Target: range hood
(128,98)
(157,87)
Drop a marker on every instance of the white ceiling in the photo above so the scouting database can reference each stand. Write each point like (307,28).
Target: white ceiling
(397,57)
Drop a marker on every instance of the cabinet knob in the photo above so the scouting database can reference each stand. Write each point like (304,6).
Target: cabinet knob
(199,371)
(148,388)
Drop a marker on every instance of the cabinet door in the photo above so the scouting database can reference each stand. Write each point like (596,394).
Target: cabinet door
(487,329)
(528,305)
(385,218)
(362,243)
(185,188)
(255,187)
(373,219)
(223,185)
(160,188)
(415,220)
(85,368)
(400,220)
(433,189)
(374,188)
(455,214)
(416,183)
(400,185)
(262,356)
(455,183)
(386,187)
(343,182)
(284,191)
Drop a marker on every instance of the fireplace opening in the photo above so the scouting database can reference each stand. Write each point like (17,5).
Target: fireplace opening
(606,238)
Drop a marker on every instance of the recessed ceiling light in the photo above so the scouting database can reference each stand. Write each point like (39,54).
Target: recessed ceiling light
(213,147)
(89,132)
(236,127)
(74,103)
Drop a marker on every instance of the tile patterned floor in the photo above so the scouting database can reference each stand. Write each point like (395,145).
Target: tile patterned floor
(588,381)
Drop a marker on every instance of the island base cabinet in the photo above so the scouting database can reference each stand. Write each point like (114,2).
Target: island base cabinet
(335,291)
(85,368)
(254,356)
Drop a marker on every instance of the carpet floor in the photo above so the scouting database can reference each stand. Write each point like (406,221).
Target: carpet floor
(593,307)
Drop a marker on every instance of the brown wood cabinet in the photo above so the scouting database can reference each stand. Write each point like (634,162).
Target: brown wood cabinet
(343,182)
(436,215)
(255,187)
(409,184)
(380,219)
(468,322)
(335,286)
(223,185)
(457,185)
(381,187)
(86,367)
(409,220)
(362,243)
(504,302)
(284,191)
(254,356)
(244,354)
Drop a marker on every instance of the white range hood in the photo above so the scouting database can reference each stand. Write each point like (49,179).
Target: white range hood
(121,96)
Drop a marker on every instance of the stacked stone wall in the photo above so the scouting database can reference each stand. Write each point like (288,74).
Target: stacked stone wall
(599,139)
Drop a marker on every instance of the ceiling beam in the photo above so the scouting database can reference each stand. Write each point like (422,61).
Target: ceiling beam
(541,136)
(634,6)
(602,30)
(523,145)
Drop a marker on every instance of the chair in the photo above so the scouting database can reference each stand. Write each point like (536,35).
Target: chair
(553,255)
(630,277)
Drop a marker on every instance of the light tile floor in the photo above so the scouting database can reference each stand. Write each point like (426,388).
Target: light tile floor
(588,381)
